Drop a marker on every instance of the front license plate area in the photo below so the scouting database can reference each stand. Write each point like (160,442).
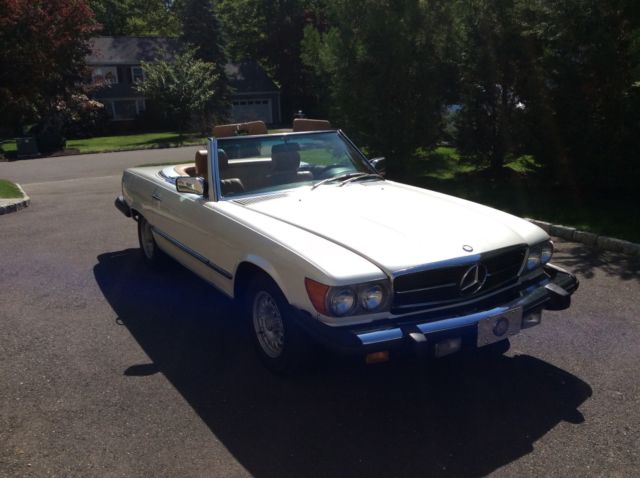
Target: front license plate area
(499,327)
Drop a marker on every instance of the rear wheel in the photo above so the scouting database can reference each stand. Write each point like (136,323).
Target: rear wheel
(150,251)
(281,346)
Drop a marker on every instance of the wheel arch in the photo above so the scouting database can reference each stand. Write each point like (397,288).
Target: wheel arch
(246,271)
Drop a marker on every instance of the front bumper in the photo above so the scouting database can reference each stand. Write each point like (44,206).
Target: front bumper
(552,292)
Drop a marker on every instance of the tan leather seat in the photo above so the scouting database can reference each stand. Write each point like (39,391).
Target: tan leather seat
(225,130)
(285,160)
(303,124)
(253,127)
(201,163)
(185,170)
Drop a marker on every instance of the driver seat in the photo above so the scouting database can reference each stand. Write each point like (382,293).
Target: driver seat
(228,185)
(285,161)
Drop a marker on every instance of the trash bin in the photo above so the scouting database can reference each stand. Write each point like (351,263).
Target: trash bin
(26,146)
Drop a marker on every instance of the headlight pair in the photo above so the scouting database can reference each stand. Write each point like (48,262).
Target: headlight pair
(347,300)
(539,254)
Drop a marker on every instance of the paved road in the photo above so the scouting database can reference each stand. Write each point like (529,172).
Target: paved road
(109,369)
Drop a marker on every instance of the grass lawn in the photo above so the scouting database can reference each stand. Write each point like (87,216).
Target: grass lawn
(9,190)
(520,192)
(102,144)
(134,141)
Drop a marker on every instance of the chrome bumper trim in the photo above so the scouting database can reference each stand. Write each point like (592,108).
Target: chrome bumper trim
(388,335)
(534,295)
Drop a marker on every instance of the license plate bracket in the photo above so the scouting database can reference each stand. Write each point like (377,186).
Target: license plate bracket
(499,326)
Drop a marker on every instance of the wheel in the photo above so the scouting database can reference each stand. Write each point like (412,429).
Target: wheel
(280,344)
(150,250)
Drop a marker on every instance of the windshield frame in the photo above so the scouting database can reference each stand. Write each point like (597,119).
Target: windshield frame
(215,178)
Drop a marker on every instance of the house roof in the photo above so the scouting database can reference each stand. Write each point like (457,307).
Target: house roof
(108,50)
(244,77)
(249,77)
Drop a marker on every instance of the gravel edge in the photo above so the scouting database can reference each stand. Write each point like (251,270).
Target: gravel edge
(14,205)
(588,238)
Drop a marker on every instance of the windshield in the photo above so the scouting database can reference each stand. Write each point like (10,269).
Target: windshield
(278,162)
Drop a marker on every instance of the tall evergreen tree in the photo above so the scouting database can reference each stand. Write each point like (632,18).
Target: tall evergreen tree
(271,32)
(388,73)
(202,30)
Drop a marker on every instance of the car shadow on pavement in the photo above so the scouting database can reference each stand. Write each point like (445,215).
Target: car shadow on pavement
(458,416)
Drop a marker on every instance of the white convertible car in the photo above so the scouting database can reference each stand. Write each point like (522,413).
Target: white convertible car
(319,248)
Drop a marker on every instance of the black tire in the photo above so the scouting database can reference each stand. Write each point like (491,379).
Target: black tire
(151,253)
(279,342)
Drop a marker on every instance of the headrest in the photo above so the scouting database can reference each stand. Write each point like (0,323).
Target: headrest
(303,124)
(225,130)
(250,128)
(201,163)
(253,127)
(285,157)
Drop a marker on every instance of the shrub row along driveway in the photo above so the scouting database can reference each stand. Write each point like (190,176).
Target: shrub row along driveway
(109,369)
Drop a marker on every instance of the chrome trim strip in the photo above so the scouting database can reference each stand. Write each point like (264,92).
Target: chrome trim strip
(458,322)
(379,336)
(193,253)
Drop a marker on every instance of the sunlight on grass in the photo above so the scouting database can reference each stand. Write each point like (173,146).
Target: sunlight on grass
(134,141)
(9,190)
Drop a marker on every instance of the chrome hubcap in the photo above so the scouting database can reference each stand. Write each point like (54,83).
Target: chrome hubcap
(268,325)
(147,240)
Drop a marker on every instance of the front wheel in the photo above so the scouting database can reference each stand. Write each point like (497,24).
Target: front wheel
(282,347)
(150,251)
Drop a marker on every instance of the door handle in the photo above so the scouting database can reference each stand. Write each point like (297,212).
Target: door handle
(156,196)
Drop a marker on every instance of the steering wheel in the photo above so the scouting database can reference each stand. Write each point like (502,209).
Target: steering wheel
(333,170)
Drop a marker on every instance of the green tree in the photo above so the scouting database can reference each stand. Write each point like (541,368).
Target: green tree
(137,17)
(201,29)
(586,78)
(388,72)
(182,88)
(271,34)
(493,66)
(42,52)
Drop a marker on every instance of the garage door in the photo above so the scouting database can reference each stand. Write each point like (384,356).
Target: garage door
(251,110)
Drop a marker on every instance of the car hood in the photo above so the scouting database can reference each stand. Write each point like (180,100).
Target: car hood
(397,226)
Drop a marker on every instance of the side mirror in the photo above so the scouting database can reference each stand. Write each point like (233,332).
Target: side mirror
(380,165)
(187,184)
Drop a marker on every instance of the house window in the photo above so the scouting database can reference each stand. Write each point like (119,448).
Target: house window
(105,74)
(137,75)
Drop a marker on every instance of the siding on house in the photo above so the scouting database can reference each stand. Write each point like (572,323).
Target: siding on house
(116,61)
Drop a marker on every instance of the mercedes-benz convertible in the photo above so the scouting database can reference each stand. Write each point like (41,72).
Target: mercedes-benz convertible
(305,232)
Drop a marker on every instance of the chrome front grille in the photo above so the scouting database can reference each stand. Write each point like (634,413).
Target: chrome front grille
(434,287)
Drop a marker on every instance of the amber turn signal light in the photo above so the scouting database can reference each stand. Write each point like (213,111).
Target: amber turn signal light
(317,294)
(377,357)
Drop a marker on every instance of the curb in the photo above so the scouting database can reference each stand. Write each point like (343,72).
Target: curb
(588,238)
(14,204)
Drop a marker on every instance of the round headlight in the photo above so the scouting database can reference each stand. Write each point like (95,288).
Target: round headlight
(533,260)
(546,252)
(371,297)
(342,301)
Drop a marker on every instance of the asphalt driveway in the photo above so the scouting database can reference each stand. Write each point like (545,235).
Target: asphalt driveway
(110,369)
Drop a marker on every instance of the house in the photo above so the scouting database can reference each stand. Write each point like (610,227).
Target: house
(115,62)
